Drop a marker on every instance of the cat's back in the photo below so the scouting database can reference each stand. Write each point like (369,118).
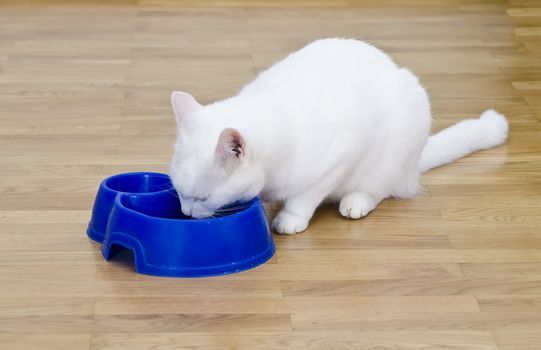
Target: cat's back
(322,62)
(336,51)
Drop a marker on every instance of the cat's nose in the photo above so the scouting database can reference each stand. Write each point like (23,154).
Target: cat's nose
(186,208)
(187,211)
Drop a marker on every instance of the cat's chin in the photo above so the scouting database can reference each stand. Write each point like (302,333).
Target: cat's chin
(202,214)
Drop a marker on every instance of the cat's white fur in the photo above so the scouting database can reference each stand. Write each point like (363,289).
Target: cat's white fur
(335,120)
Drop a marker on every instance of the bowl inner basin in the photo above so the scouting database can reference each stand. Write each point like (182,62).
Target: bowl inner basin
(166,205)
(139,183)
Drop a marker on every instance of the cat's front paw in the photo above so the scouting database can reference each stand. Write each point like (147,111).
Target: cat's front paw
(288,224)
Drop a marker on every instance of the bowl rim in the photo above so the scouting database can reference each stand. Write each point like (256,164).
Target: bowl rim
(254,202)
(105,182)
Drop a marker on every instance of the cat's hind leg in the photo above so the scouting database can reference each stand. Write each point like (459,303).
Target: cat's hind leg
(357,204)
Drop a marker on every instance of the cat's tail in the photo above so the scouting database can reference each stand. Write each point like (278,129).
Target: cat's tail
(463,138)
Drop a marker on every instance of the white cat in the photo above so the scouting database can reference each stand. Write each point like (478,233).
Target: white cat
(335,120)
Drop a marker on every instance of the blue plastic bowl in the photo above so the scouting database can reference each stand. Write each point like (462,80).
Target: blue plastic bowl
(164,242)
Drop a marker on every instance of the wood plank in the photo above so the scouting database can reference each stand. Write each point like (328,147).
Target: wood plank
(120,271)
(136,324)
(59,341)
(515,340)
(25,306)
(13,287)
(420,286)
(300,340)
(501,269)
(421,321)
(410,256)
(233,305)
(509,303)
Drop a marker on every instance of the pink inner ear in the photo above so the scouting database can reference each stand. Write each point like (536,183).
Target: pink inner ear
(230,144)
(183,104)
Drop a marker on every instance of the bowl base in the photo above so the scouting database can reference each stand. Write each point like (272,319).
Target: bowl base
(94,235)
(112,247)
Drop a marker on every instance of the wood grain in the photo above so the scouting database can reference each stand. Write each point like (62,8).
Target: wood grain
(84,90)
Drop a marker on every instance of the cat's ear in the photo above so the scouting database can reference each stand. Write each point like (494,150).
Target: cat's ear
(183,105)
(231,147)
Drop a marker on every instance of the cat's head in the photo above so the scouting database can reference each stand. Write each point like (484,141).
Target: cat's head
(211,165)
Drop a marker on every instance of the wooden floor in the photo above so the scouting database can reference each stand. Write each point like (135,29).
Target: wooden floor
(84,94)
